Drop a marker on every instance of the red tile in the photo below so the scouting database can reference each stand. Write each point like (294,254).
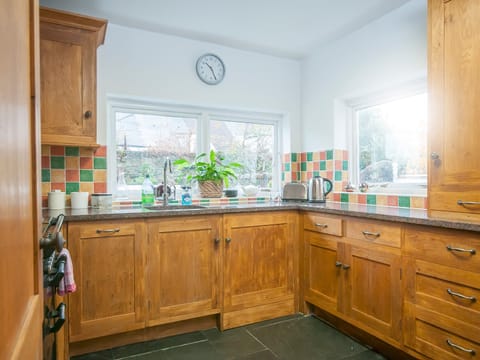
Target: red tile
(323,155)
(329,175)
(309,174)
(338,165)
(345,154)
(336,197)
(362,198)
(392,200)
(316,165)
(86,163)
(101,152)
(100,187)
(57,150)
(44,201)
(45,162)
(294,176)
(303,156)
(58,186)
(72,175)
(286,158)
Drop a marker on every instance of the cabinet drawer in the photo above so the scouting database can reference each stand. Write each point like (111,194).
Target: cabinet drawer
(104,228)
(458,249)
(323,224)
(375,232)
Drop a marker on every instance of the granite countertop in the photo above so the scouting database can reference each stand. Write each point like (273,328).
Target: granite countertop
(402,215)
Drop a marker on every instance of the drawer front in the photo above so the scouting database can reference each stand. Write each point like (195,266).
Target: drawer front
(458,249)
(324,224)
(375,232)
(106,228)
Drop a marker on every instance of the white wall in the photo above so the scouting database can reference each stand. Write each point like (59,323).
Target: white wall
(387,52)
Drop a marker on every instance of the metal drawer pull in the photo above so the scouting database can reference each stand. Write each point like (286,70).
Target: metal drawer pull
(453,293)
(323,226)
(471,251)
(228,240)
(466,203)
(368,233)
(99,231)
(455,346)
(345,267)
(338,264)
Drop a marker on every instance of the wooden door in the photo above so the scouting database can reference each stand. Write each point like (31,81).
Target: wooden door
(454,105)
(372,290)
(259,267)
(21,288)
(108,260)
(183,268)
(322,271)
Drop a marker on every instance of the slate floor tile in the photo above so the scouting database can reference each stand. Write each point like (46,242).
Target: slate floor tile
(233,343)
(365,355)
(262,355)
(100,355)
(196,351)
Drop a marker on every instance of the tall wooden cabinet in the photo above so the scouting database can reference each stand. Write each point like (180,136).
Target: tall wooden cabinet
(108,262)
(68,73)
(454,107)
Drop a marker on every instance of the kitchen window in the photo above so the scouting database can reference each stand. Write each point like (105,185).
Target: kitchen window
(143,134)
(389,150)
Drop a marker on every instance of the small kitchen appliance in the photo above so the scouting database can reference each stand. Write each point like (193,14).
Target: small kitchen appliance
(296,191)
(318,189)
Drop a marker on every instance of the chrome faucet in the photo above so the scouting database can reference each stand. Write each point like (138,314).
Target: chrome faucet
(166,166)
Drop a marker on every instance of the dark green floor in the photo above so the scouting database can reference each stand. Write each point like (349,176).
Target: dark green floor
(295,337)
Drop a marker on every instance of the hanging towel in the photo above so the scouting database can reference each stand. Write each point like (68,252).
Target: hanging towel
(67,284)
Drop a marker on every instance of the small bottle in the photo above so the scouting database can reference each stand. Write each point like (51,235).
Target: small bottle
(148,197)
(186,197)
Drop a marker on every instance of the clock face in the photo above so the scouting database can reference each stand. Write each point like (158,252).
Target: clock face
(210,69)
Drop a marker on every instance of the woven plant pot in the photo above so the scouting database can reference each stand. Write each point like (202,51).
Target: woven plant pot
(210,188)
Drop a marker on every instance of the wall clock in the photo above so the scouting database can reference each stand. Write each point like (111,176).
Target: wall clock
(210,69)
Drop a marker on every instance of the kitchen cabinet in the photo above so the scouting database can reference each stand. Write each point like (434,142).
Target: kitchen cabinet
(108,262)
(260,265)
(68,72)
(442,313)
(454,104)
(183,268)
(353,270)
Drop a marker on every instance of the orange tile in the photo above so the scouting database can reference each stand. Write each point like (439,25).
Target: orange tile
(87,152)
(286,158)
(329,165)
(417,202)
(100,152)
(57,176)
(58,186)
(316,156)
(72,175)
(100,187)
(46,188)
(362,198)
(303,156)
(310,166)
(45,162)
(382,200)
(44,201)
(45,150)
(86,186)
(86,162)
(294,166)
(57,150)
(72,162)
(338,154)
(353,198)
(99,175)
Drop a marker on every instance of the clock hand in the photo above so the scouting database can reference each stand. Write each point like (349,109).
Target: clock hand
(211,69)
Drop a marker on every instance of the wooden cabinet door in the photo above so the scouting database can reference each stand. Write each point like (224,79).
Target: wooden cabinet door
(322,271)
(68,47)
(372,290)
(183,263)
(108,262)
(259,267)
(454,105)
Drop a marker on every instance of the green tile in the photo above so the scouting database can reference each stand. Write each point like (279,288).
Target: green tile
(303,166)
(86,175)
(371,199)
(72,151)
(329,154)
(283,176)
(345,165)
(57,162)
(316,173)
(71,187)
(323,165)
(404,201)
(338,175)
(204,201)
(344,197)
(99,163)
(309,156)
(45,175)
(293,156)
(287,167)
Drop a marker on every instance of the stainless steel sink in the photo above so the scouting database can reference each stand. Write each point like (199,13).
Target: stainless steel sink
(173,207)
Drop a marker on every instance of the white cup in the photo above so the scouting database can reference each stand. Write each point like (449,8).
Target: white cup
(56,200)
(79,200)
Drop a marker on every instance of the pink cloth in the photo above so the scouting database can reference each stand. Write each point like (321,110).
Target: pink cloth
(67,284)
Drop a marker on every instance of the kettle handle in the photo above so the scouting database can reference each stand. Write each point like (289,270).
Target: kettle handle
(330,188)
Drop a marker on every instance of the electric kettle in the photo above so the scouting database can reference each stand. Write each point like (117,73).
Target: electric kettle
(318,189)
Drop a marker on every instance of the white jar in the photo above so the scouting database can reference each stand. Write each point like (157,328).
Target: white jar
(79,200)
(56,200)
(101,200)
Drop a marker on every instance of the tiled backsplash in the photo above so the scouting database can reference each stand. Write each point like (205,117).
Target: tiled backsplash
(73,168)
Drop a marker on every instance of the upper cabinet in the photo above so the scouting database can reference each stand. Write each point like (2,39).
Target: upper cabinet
(68,59)
(454,98)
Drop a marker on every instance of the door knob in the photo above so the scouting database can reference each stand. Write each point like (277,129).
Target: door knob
(227,240)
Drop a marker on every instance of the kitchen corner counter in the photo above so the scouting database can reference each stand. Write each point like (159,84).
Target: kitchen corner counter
(396,214)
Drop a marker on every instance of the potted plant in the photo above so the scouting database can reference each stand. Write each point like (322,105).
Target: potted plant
(210,172)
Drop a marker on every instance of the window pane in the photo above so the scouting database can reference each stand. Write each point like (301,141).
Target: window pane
(249,144)
(144,141)
(392,142)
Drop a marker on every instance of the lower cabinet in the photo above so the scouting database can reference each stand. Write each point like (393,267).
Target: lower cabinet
(183,268)
(108,266)
(353,270)
(259,267)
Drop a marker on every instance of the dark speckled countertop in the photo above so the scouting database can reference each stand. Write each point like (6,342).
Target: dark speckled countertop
(403,215)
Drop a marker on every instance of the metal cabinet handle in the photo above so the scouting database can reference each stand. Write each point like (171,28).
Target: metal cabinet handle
(434,156)
(345,267)
(216,240)
(461,296)
(466,203)
(323,226)
(88,114)
(116,230)
(461,348)
(228,240)
(471,251)
(338,264)
(369,233)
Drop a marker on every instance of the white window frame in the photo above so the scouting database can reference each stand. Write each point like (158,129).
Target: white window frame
(411,88)
(203,114)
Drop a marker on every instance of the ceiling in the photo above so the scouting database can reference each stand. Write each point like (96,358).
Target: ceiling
(286,28)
